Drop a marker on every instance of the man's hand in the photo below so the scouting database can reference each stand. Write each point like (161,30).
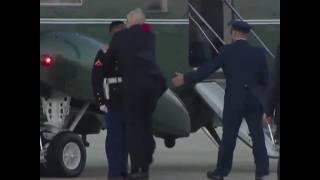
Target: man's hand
(178,80)
(267,119)
(103,108)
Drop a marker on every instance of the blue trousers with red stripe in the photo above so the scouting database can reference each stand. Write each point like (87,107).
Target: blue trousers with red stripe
(116,144)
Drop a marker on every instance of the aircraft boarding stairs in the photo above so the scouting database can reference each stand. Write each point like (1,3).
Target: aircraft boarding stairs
(213,94)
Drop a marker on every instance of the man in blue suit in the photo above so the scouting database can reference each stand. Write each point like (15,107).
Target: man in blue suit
(246,73)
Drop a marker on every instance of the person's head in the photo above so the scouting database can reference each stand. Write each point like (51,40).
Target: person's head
(135,16)
(240,30)
(116,26)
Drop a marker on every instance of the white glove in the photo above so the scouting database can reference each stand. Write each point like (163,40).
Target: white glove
(104,108)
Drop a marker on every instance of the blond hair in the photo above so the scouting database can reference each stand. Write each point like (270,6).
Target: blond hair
(135,16)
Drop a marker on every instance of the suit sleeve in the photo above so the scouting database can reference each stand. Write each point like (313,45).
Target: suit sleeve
(205,70)
(274,91)
(97,77)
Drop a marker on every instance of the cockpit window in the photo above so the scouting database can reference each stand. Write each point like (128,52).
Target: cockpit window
(61,2)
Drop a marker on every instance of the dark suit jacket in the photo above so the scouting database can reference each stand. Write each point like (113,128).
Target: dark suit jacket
(246,72)
(134,48)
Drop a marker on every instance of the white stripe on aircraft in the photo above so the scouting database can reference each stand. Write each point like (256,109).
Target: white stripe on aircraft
(151,21)
(107,21)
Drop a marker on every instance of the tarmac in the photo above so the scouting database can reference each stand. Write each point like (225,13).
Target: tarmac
(190,159)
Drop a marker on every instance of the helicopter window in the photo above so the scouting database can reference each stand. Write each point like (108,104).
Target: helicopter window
(61,2)
(158,5)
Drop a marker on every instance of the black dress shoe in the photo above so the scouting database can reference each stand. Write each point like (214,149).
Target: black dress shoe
(138,176)
(212,176)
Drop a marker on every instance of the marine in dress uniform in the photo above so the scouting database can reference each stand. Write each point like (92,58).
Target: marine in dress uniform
(107,86)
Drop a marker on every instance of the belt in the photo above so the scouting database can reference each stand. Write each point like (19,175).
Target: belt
(114,80)
(107,81)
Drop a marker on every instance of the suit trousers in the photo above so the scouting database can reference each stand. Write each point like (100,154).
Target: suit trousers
(140,105)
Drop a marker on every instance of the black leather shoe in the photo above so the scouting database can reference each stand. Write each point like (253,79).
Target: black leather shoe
(138,176)
(212,176)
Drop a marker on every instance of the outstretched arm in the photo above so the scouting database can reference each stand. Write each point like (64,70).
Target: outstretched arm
(201,73)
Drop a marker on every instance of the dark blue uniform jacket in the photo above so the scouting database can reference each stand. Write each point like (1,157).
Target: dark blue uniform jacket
(246,72)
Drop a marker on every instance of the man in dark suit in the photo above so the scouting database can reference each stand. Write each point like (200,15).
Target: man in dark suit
(272,109)
(245,69)
(143,84)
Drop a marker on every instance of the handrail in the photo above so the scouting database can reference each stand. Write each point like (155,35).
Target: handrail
(252,31)
(206,23)
(239,16)
(205,35)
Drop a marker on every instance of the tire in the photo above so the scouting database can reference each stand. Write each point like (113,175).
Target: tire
(66,155)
